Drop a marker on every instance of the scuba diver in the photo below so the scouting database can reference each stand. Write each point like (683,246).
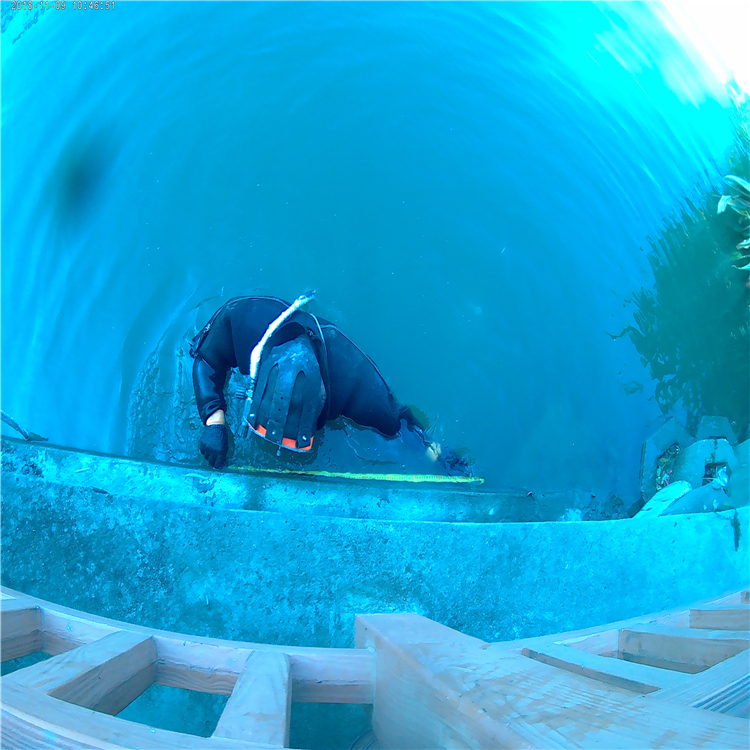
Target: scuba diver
(301,372)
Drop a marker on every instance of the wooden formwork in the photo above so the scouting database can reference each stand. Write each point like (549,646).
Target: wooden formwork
(677,679)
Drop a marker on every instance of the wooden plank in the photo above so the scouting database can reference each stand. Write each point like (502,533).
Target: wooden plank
(724,687)
(214,681)
(21,628)
(322,675)
(333,676)
(738,597)
(260,705)
(19,732)
(721,617)
(675,617)
(603,643)
(605,640)
(636,677)
(319,675)
(34,720)
(124,694)
(458,694)
(110,686)
(105,675)
(733,699)
(685,648)
(14,648)
(63,632)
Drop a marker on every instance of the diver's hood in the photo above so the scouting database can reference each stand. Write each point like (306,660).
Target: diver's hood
(289,395)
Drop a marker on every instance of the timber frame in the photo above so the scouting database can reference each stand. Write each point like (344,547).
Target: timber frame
(676,679)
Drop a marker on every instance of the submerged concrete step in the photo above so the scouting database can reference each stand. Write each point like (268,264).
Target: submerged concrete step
(234,490)
(300,579)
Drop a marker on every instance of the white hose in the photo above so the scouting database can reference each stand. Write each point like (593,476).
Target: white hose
(258,348)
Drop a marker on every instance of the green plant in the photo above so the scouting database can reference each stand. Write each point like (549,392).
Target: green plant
(739,201)
(691,327)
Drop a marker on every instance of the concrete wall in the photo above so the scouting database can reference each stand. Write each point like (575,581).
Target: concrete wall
(171,561)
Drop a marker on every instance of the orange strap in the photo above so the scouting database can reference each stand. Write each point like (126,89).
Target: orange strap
(287,442)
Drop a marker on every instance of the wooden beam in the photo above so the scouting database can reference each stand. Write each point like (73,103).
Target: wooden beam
(63,632)
(682,619)
(603,643)
(684,649)
(724,688)
(21,628)
(435,687)
(736,597)
(455,693)
(319,675)
(31,719)
(260,705)
(105,675)
(636,677)
(602,639)
(331,675)
(720,617)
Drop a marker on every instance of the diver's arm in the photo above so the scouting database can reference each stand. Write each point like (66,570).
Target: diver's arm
(209,390)
(209,395)
(415,425)
(412,421)
(359,392)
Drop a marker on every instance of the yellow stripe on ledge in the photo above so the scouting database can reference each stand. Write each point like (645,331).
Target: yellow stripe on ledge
(416,478)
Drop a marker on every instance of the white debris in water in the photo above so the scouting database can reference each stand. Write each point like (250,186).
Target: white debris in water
(572,515)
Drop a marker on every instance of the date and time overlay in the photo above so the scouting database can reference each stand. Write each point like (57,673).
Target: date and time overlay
(62,4)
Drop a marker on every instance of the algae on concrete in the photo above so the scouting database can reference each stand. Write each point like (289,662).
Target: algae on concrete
(158,546)
(301,579)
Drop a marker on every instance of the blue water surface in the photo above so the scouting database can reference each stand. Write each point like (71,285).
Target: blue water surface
(470,187)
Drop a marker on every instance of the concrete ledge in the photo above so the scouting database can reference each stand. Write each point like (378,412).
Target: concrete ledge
(191,485)
(300,579)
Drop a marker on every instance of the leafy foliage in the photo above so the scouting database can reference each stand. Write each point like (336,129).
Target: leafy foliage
(691,329)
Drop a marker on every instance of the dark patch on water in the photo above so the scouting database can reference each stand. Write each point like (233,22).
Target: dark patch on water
(79,179)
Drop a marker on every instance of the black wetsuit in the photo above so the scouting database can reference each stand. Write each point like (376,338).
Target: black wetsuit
(354,386)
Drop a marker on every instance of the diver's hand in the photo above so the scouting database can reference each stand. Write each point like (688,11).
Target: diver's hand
(450,460)
(215,444)
(433,451)
(453,463)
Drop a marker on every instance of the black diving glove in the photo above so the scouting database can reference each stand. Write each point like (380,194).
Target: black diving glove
(215,444)
(453,463)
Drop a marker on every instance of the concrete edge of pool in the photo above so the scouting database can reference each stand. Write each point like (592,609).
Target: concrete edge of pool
(163,557)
